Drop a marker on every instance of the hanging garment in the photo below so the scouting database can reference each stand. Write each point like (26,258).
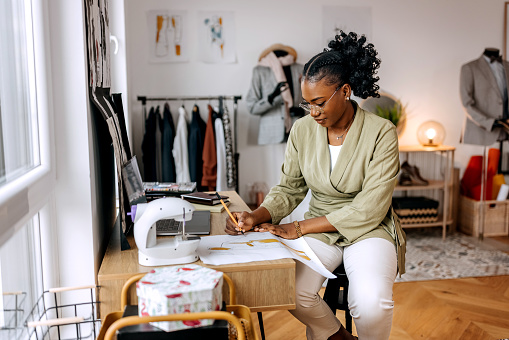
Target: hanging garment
(168,163)
(221,183)
(209,156)
(195,142)
(180,153)
(148,148)
(231,170)
(272,115)
(158,146)
(276,65)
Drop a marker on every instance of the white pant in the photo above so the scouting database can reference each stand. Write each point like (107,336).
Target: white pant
(371,267)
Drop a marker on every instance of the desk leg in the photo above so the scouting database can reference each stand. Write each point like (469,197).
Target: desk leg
(260,323)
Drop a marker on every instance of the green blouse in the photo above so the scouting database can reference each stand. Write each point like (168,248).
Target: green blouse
(356,196)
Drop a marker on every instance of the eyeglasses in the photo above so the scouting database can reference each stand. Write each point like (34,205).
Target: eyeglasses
(309,107)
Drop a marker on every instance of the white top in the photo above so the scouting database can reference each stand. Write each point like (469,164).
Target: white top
(334,154)
(180,150)
(221,182)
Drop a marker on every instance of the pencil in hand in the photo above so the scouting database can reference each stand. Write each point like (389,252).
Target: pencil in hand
(229,213)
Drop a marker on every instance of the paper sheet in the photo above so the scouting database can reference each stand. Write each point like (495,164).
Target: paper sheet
(254,246)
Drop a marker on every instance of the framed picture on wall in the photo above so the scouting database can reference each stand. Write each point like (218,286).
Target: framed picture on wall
(168,36)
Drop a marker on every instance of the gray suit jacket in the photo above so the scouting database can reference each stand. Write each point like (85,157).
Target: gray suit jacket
(483,103)
(272,123)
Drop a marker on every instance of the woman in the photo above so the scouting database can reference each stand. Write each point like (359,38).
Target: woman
(349,159)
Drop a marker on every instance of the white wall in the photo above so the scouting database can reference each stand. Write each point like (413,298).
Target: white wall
(75,214)
(422,45)
(118,61)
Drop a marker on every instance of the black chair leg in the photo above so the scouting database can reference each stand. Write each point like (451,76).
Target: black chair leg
(332,295)
(260,323)
(348,319)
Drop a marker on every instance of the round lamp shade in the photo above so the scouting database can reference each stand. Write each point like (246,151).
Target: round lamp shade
(431,133)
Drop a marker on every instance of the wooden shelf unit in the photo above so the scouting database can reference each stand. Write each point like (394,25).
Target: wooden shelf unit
(433,184)
(444,184)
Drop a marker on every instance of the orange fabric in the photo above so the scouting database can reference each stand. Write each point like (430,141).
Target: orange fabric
(209,155)
(471,181)
(498,180)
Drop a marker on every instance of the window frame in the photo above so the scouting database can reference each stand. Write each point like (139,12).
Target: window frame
(23,197)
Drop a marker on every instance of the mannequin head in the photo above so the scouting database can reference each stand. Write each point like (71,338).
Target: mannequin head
(348,60)
(491,52)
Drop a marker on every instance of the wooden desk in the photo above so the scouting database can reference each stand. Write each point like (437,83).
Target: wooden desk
(262,285)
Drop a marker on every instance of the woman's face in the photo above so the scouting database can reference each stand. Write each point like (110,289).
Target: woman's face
(327,103)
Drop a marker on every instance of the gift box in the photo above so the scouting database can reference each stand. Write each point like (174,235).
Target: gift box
(180,289)
(411,210)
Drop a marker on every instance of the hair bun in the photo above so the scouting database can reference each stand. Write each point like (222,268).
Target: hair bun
(348,59)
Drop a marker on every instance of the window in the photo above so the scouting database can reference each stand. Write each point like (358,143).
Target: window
(19,150)
(21,281)
(27,175)
(27,166)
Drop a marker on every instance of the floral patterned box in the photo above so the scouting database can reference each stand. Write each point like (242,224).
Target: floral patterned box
(180,289)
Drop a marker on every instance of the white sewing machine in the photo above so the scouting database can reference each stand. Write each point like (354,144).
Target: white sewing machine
(163,251)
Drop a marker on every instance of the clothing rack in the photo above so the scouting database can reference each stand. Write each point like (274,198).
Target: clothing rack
(235,99)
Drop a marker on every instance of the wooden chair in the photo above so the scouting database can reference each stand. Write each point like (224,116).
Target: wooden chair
(237,315)
(336,294)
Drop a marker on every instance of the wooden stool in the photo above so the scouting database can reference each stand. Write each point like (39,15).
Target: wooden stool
(336,294)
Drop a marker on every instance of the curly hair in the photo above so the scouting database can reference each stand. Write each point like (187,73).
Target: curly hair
(348,60)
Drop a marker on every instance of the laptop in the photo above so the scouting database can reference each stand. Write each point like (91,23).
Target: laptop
(198,225)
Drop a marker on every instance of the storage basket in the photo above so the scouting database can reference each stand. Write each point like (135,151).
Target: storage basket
(50,318)
(496,217)
(412,210)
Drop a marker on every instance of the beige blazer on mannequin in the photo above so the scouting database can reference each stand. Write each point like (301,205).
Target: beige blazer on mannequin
(272,116)
(483,103)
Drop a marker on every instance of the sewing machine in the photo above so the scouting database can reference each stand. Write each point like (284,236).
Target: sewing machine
(153,251)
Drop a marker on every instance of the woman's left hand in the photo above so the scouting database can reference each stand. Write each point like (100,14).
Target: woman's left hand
(286,231)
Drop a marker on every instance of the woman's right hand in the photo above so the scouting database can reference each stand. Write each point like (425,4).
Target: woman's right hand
(244,219)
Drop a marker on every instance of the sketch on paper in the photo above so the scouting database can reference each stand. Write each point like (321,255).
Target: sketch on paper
(214,26)
(226,249)
(216,37)
(347,19)
(167,36)
(229,248)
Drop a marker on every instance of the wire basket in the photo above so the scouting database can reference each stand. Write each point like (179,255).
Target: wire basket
(53,318)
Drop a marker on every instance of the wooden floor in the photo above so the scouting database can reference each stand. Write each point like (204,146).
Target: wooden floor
(466,309)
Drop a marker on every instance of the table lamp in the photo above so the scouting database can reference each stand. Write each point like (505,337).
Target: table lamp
(431,133)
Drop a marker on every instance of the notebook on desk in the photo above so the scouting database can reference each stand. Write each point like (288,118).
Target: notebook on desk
(198,225)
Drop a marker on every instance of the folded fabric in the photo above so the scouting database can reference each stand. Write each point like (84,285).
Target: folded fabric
(471,182)
(498,180)
(415,209)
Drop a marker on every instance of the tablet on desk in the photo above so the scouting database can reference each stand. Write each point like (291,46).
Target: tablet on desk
(198,225)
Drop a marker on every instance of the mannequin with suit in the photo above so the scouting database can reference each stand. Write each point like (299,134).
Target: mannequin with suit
(275,93)
(483,91)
